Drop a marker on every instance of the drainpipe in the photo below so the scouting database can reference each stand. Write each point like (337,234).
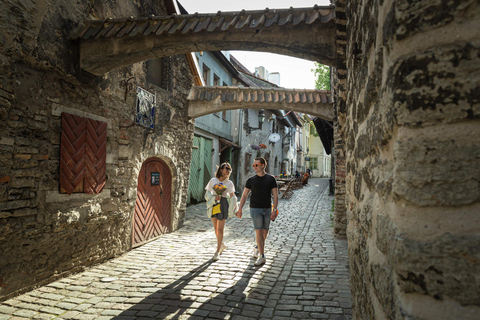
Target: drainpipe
(240,126)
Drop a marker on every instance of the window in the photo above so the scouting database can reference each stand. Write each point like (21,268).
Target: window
(224,112)
(216,80)
(159,73)
(154,72)
(314,163)
(206,75)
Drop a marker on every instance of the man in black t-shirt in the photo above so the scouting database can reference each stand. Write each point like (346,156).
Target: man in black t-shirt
(262,185)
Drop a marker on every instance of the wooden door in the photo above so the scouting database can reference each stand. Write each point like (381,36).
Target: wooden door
(200,168)
(153,206)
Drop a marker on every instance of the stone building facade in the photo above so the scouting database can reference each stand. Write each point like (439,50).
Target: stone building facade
(408,116)
(45,234)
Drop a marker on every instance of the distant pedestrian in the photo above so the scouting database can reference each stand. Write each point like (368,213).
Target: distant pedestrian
(262,185)
(297,174)
(305,178)
(221,201)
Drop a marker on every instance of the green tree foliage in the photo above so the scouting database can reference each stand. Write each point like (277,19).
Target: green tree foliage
(322,74)
(313,130)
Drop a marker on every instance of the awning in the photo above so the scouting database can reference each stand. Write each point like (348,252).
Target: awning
(325,131)
(224,143)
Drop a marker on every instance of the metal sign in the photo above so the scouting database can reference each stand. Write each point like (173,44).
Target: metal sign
(145,115)
(155,178)
(274,137)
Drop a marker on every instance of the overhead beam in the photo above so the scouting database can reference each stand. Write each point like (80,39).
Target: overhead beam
(303,33)
(206,100)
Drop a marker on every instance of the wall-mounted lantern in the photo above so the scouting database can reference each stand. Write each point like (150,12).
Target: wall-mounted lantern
(261,117)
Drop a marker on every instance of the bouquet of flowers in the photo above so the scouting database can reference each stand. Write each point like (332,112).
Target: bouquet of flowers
(219,188)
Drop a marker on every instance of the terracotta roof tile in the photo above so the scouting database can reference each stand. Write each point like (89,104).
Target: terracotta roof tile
(260,95)
(203,22)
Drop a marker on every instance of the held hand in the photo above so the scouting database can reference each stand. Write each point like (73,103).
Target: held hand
(217,197)
(274,215)
(239,214)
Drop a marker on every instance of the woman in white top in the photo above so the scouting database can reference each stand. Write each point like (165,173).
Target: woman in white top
(219,219)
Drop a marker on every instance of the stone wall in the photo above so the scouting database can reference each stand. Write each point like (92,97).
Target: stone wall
(412,158)
(339,76)
(45,234)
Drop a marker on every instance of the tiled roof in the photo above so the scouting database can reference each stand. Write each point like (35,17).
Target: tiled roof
(259,95)
(195,23)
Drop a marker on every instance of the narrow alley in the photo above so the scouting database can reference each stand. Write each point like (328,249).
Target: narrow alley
(306,275)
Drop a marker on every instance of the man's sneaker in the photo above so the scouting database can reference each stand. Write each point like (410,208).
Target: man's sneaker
(216,256)
(255,253)
(222,247)
(260,261)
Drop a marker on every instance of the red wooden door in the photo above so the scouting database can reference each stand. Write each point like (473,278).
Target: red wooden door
(152,209)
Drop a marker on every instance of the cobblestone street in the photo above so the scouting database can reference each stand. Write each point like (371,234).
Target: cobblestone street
(305,277)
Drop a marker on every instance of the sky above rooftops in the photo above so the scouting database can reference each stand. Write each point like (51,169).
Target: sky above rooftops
(294,72)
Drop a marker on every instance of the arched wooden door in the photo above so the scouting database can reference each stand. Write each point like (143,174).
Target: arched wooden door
(153,206)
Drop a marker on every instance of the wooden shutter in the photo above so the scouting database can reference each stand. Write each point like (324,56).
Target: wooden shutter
(83,154)
(95,156)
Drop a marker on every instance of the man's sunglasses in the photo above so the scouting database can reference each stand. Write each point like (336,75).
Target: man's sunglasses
(256,165)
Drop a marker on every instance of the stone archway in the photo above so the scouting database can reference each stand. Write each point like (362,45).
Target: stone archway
(205,100)
(307,33)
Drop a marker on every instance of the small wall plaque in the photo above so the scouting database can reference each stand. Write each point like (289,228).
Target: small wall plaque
(155,178)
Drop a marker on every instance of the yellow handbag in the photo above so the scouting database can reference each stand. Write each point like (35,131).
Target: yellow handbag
(216,209)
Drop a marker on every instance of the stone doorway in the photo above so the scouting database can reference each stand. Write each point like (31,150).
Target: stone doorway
(152,215)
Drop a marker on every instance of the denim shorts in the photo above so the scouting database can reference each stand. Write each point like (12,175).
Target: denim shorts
(261,218)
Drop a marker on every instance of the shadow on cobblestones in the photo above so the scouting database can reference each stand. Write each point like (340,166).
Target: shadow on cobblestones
(306,275)
(173,303)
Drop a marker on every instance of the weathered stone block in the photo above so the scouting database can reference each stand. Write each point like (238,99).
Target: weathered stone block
(23,183)
(383,288)
(24,212)
(7,141)
(385,230)
(441,268)
(417,16)
(437,85)
(9,205)
(24,164)
(425,175)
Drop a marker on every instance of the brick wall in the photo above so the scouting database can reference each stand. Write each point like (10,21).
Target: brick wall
(45,234)
(412,158)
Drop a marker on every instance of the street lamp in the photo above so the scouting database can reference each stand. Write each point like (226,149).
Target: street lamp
(261,116)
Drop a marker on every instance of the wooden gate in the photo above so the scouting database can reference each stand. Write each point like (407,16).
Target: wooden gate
(200,168)
(153,206)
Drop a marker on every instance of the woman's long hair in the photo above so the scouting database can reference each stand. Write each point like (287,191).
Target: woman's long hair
(218,174)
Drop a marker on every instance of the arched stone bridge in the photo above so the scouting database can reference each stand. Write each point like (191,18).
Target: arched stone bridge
(205,100)
(307,33)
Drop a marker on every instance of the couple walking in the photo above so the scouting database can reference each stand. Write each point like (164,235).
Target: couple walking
(262,186)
